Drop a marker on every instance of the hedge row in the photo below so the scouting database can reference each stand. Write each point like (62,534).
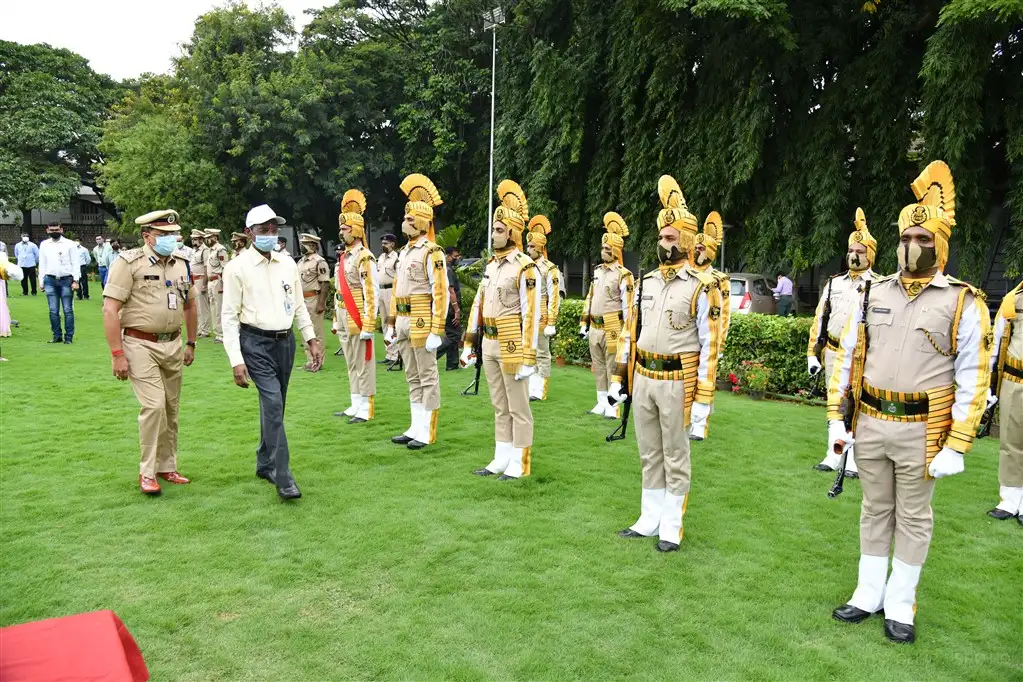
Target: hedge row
(778,343)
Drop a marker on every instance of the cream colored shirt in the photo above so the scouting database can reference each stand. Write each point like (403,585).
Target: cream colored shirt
(262,293)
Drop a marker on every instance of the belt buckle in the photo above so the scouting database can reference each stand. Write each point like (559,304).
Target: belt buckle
(892,408)
(165,337)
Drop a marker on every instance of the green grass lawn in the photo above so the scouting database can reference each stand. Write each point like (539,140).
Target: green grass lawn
(405,566)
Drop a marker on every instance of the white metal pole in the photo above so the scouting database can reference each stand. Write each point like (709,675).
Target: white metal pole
(493,95)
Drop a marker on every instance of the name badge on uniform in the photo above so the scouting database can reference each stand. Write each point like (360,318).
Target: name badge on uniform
(172,300)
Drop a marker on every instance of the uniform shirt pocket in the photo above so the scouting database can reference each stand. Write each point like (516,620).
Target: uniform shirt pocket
(932,332)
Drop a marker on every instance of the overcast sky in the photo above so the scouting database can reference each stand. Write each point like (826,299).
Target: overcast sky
(122,38)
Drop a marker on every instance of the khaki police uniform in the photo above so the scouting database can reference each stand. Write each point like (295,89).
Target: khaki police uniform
(675,366)
(607,303)
(314,273)
(507,313)
(199,276)
(216,259)
(1007,365)
(153,293)
(358,268)
(387,270)
(842,292)
(549,283)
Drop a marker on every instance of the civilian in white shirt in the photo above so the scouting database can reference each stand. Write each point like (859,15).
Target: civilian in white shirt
(27,255)
(102,254)
(84,259)
(262,298)
(59,269)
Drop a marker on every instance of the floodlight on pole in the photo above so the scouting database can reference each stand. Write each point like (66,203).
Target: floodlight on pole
(491,20)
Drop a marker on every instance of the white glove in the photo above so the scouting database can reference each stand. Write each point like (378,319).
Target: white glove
(389,336)
(467,359)
(813,365)
(699,413)
(433,342)
(991,400)
(615,395)
(582,332)
(948,462)
(524,372)
(838,434)
(549,331)
(365,336)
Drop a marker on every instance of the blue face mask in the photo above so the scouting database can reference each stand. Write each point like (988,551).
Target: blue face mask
(265,242)
(165,245)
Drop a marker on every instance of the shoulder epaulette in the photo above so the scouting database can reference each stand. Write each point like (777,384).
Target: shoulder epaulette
(653,273)
(433,248)
(894,277)
(979,293)
(523,259)
(131,255)
(367,255)
(706,279)
(178,253)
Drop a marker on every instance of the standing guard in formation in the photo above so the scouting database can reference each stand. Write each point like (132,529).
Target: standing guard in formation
(216,259)
(838,302)
(669,359)
(199,257)
(387,269)
(355,307)
(418,310)
(314,273)
(146,298)
(1007,389)
(505,311)
(239,242)
(910,385)
(607,303)
(707,244)
(549,282)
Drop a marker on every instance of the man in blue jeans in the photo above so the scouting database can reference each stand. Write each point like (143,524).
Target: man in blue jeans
(59,269)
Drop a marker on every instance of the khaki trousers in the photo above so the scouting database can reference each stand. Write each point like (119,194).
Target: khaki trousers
(543,355)
(421,374)
(896,504)
(317,318)
(1010,453)
(662,437)
(216,303)
(154,369)
(513,420)
(603,358)
(203,302)
(385,307)
(362,373)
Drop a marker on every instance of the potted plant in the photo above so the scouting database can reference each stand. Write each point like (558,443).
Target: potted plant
(755,377)
(558,346)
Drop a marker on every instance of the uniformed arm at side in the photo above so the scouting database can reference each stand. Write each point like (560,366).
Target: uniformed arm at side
(972,374)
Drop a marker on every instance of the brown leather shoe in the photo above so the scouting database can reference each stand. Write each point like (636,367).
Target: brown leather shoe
(173,477)
(149,486)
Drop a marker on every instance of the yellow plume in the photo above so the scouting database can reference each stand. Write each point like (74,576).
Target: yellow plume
(670,193)
(418,187)
(512,197)
(934,187)
(353,202)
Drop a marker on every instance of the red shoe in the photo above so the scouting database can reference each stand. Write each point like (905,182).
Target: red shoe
(149,486)
(173,477)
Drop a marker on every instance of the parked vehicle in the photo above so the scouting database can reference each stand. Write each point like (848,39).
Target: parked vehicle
(751,293)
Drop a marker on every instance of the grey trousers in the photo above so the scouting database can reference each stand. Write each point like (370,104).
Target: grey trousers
(269,362)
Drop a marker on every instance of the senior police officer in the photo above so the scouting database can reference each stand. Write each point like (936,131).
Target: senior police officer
(315,274)
(146,298)
(216,259)
(913,379)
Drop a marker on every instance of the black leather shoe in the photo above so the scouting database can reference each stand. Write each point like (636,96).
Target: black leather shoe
(847,613)
(340,351)
(506,477)
(401,440)
(483,472)
(55,341)
(357,420)
(68,341)
(1000,514)
(900,633)
(340,414)
(665,546)
(1020,519)
(696,438)
(822,467)
(385,361)
(532,399)
(415,444)
(290,493)
(852,474)
(629,533)
(266,476)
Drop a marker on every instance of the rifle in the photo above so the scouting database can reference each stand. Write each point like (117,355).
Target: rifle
(477,349)
(623,427)
(989,414)
(851,399)
(822,333)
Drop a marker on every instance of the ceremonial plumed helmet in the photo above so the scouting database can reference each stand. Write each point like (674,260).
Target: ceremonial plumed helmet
(711,235)
(539,228)
(935,210)
(513,209)
(615,233)
(353,206)
(861,235)
(422,198)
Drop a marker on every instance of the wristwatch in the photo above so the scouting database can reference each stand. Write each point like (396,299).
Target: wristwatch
(190,344)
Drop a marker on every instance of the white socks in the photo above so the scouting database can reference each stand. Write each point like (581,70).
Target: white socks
(649,512)
(502,453)
(363,411)
(1011,499)
(515,456)
(411,431)
(350,412)
(671,518)
(601,403)
(869,594)
(900,593)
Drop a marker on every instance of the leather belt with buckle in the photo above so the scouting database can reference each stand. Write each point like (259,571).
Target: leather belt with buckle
(403,308)
(832,342)
(311,294)
(266,333)
(213,278)
(386,286)
(1014,371)
(490,332)
(656,365)
(895,408)
(149,336)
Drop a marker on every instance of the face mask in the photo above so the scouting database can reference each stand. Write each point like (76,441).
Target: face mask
(915,258)
(25,240)
(672,255)
(348,238)
(388,247)
(165,245)
(309,248)
(410,231)
(500,240)
(607,257)
(701,258)
(856,262)
(277,247)
(56,235)
(265,243)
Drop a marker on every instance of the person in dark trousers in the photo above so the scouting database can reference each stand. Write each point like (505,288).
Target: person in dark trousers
(453,323)
(783,292)
(26,254)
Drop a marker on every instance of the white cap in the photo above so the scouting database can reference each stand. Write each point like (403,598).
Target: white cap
(262,214)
